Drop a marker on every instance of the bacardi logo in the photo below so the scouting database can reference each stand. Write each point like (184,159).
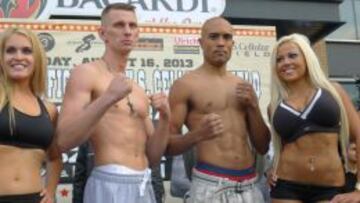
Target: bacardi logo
(150,11)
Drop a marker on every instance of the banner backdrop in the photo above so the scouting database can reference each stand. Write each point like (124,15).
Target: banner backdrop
(162,54)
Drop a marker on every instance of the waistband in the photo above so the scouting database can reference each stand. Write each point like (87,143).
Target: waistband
(120,178)
(223,184)
(120,169)
(20,197)
(230,174)
(307,186)
(138,179)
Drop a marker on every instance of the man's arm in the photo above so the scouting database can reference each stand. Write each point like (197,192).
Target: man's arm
(258,131)
(79,114)
(159,137)
(178,98)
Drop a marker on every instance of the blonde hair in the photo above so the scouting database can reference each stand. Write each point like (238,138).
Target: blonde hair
(38,78)
(317,78)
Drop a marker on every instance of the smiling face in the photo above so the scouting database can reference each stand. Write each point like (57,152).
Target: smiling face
(217,41)
(290,63)
(18,58)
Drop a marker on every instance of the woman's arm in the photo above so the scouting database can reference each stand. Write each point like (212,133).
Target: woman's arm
(54,166)
(354,121)
(54,162)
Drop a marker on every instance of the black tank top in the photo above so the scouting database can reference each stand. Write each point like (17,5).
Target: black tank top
(321,115)
(29,131)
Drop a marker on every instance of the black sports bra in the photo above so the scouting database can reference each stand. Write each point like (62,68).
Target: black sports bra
(321,115)
(29,131)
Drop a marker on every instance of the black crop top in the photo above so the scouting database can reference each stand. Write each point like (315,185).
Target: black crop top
(29,131)
(321,115)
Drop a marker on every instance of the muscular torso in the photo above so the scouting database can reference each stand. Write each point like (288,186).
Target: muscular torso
(312,159)
(120,136)
(217,95)
(20,171)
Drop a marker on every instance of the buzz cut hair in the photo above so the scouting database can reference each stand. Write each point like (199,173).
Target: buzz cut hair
(116,6)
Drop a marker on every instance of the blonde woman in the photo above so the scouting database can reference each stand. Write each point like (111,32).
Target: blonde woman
(26,121)
(311,119)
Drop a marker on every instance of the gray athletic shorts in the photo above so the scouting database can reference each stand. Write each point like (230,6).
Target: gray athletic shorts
(107,187)
(211,189)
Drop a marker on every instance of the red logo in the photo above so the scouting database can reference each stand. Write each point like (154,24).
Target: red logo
(21,8)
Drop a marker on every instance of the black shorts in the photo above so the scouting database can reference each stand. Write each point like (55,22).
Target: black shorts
(291,190)
(350,182)
(23,198)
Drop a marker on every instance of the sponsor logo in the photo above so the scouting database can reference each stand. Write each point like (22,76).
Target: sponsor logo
(252,49)
(47,40)
(154,11)
(21,8)
(150,11)
(188,41)
(186,45)
(86,45)
(150,44)
(186,49)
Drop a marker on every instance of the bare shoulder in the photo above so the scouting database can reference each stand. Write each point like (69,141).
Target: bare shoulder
(85,70)
(336,85)
(184,82)
(235,77)
(51,109)
(84,75)
(187,80)
(138,88)
(339,88)
(182,88)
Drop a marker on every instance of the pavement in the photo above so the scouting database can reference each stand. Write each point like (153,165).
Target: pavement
(168,197)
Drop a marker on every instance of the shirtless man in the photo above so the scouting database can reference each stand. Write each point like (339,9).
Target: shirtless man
(222,114)
(112,111)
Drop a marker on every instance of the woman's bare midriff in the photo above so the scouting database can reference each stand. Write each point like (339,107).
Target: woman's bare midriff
(20,171)
(312,159)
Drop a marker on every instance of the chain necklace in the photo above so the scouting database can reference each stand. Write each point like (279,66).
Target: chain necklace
(129,103)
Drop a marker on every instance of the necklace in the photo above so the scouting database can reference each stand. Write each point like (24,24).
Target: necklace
(129,103)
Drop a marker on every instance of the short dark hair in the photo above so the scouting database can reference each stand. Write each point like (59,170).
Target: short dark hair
(116,6)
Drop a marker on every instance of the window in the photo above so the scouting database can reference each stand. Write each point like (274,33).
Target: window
(349,10)
(357,17)
(352,87)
